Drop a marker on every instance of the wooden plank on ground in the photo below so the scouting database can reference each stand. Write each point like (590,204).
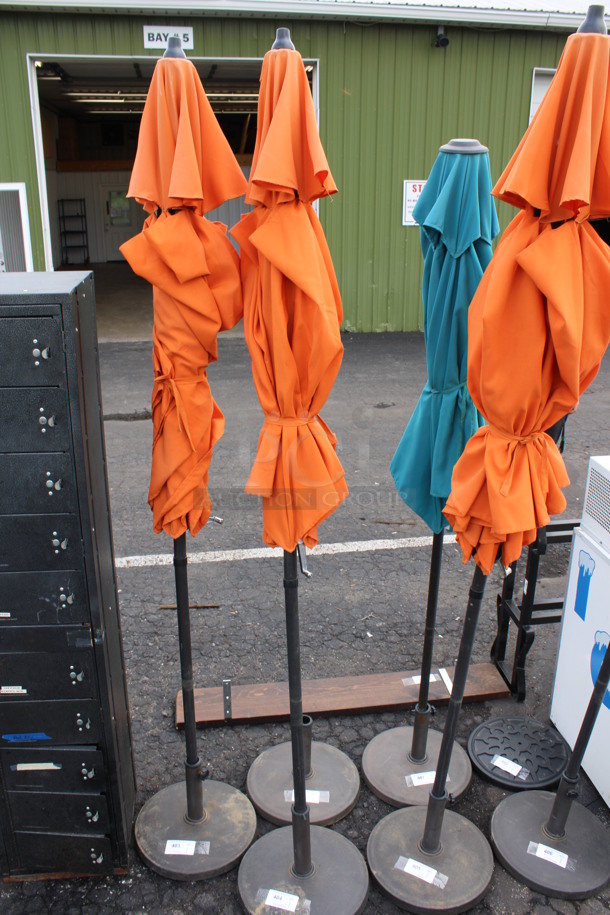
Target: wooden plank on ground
(383,692)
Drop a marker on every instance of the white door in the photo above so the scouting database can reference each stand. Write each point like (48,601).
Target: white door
(119,221)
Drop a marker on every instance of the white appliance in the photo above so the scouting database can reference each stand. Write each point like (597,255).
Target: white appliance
(585,629)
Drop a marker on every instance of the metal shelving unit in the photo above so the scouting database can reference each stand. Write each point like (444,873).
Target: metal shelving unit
(73,230)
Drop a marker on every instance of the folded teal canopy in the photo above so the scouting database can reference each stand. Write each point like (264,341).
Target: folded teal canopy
(457,219)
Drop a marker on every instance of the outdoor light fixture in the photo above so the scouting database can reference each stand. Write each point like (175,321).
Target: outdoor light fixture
(441,37)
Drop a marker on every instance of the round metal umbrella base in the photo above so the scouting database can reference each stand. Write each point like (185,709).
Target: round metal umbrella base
(453,880)
(175,848)
(339,882)
(573,867)
(332,789)
(518,752)
(396,779)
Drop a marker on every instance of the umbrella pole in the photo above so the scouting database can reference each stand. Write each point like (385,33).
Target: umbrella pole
(200,841)
(192,763)
(431,839)
(405,852)
(300,811)
(272,873)
(533,837)
(567,790)
(328,771)
(394,774)
(423,709)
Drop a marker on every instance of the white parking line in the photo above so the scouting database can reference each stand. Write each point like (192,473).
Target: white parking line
(322,549)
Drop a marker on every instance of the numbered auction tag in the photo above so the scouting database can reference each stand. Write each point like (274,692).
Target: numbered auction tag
(311,796)
(551,855)
(420,778)
(507,765)
(285,901)
(422,872)
(180,847)
(419,870)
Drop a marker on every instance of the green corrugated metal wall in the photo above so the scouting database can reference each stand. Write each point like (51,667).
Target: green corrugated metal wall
(388,100)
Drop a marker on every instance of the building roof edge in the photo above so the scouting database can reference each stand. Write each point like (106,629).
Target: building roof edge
(314,9)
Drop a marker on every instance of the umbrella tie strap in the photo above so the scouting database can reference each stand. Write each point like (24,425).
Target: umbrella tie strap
(272,419)
(449,390)
(523,440)
(172,384)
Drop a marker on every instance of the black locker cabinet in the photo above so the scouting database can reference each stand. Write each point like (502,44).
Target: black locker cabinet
(67,785)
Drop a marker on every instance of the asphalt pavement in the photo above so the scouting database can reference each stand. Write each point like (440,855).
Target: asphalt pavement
(362,612)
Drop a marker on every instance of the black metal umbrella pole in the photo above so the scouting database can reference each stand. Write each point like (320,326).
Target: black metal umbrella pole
(319,870)
(423,709)
(431,839)
(546,840)
(192,763)
(431,859)
(300,811)
(568,785)
(193,829)
(399,775)
(329,773)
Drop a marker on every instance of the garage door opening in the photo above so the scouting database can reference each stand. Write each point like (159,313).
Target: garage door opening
(89,117)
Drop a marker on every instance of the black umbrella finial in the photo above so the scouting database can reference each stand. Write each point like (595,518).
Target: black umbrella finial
(594,21)
(174,47)
(282,40)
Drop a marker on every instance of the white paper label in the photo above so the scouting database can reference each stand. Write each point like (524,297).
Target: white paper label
(421,778)
(422,872)
(416,679)
(507,765)
(180,847)
(36,767)
(446,679)
(311,796)
(548,854)
(285,901)
(13,691)
(419,870)
(5,616)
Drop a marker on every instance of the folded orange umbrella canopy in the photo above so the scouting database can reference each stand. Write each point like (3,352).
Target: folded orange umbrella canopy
(184,167)
(292,309)
(539,323)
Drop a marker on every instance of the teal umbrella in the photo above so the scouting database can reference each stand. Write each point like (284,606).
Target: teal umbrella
(457,218)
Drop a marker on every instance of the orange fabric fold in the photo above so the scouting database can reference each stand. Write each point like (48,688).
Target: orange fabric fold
(292,313)
(183,157)
(183,168)
(538,327)
(562,164)
(187,423)
(288,157)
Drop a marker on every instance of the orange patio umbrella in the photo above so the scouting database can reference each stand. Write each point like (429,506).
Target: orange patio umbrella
(184,167)
(292,309)
(292,314)
(539,323)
